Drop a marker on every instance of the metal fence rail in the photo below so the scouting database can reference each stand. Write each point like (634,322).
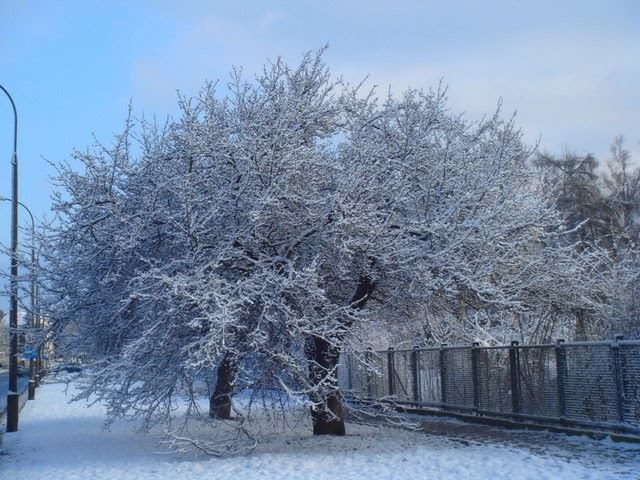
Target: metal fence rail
(594,385)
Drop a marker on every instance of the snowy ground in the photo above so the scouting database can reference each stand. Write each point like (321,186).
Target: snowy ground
(66,441)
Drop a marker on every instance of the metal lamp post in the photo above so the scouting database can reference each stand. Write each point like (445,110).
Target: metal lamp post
(33,373)
(12,396)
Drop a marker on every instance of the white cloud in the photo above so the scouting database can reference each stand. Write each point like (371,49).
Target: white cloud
(206,48)
(571,84)
(569,92)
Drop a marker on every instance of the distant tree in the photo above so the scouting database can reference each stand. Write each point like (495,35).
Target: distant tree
(604,210)
(622,190)
(622,196)
(576,190)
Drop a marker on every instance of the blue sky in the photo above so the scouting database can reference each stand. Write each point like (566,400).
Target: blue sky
(570,68)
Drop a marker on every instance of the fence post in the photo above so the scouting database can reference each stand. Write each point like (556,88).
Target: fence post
(514,365)
(561,374)
(390,370)
(617,371)
(443,370)
(415,359)
(368,365)
(475,377)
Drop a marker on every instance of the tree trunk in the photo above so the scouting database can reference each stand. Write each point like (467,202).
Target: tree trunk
(220,401)
(325,424)
(328,413)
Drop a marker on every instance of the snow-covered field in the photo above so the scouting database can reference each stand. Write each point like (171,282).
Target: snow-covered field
(58,440)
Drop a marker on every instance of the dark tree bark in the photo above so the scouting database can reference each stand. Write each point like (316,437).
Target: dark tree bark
(581,325)
(220,401)
(328,414)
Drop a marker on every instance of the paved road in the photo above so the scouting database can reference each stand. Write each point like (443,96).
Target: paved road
(23,382)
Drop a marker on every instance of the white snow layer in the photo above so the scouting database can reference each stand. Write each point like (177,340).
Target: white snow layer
(58,440)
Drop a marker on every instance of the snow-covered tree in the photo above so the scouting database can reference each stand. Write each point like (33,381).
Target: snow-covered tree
(603,209)
(257,235)
(622,200)
(4,341)
(622,189)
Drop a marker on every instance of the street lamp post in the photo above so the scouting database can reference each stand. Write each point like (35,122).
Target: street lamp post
(12,396)
(33,371)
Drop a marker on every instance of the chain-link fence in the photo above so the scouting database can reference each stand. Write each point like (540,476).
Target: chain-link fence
(588,384)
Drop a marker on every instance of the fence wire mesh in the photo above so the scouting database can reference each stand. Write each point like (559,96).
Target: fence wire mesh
(429,381)
(493,379)
(590,384)
(630,369)
(538,382)
(457,380)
